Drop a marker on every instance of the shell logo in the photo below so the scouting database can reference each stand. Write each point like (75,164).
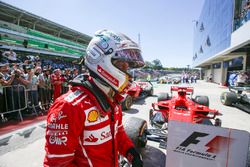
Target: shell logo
(92,116)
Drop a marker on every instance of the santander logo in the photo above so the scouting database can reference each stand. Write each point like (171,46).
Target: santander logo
(91,138)
(108,76)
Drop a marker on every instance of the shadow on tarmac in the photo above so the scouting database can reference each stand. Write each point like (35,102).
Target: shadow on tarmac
(140,101)
(153,157)
(131,111)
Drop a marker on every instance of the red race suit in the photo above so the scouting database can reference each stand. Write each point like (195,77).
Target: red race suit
(57,85)
(80,133)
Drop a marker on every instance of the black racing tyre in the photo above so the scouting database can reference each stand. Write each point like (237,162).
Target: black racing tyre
(163,96)
(202,100)
(136,131)
(127,103)
(151,112)
(228,98)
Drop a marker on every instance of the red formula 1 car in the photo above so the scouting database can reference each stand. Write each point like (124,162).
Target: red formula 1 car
(182,108)
(137,90)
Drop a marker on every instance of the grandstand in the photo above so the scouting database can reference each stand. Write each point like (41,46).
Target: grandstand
(27,34)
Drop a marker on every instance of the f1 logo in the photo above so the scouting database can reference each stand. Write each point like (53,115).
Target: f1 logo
(192,139)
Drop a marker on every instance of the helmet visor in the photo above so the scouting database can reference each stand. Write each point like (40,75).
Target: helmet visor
(131,56)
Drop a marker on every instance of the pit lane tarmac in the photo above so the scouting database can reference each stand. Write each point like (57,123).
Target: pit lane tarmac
(26,147)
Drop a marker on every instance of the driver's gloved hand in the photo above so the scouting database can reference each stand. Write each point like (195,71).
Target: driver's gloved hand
(134,157)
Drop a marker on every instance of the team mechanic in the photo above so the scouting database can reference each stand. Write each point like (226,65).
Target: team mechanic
(84,126)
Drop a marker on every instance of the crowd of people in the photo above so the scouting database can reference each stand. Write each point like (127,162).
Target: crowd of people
(31,84)
(238,78)
(243,16)
(188,77)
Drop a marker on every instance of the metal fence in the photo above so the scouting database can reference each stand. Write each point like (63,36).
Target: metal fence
(17,101)
(13,101)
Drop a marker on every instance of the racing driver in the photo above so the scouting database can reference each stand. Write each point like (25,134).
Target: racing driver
(84,126)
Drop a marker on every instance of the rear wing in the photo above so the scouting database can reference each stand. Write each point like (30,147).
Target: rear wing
(188,90)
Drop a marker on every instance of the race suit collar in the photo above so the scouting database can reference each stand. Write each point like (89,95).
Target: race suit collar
(109,91)
(105,89)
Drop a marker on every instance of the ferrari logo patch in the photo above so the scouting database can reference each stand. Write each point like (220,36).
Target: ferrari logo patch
(93,116)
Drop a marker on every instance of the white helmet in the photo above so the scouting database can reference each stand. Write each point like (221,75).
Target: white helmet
(105,50)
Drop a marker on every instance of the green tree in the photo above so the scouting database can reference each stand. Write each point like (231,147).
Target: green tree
(157,64)
(148,65)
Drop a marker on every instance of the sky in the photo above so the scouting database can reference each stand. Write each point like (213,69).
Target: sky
(165,26)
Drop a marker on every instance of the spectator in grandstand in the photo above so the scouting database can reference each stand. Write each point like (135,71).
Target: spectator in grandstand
(4,72)
(3,59)
(32,86)
(11,56)
(237,22)
(37,59)
(16,93)
(66,77)
(41,87)
(48,87)
(85,125)
(75,72)
(243,16)
(37,64)
(247,8)
(56,81)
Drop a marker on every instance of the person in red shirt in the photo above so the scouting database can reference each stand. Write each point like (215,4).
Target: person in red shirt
(84,126)
(56,81)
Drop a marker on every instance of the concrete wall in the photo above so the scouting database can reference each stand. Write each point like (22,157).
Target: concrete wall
(241,35)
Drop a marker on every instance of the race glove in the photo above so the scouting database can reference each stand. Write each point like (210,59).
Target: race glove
(134,157)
